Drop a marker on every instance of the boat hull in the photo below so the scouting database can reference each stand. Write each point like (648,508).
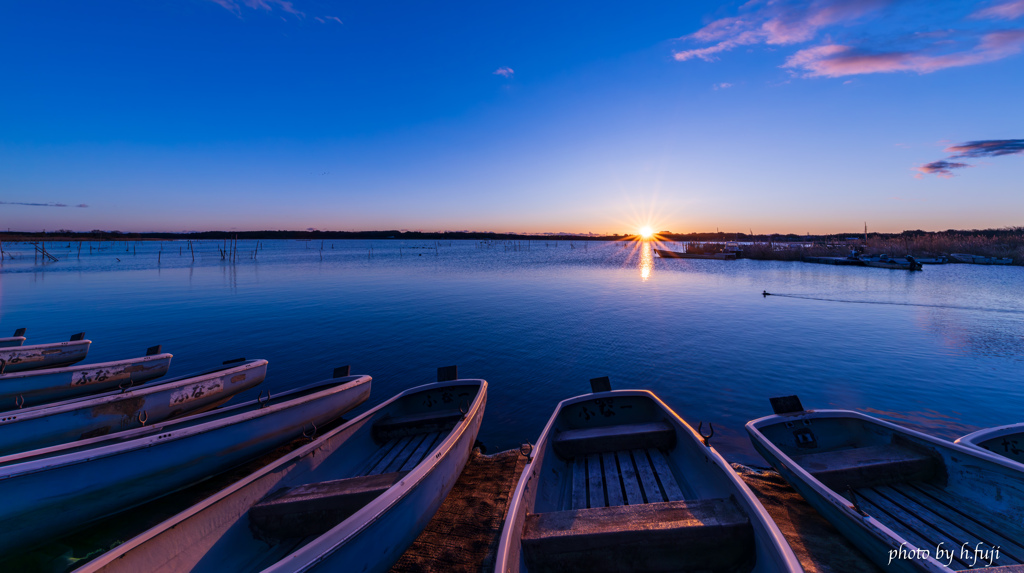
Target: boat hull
(53,494)
(36,356)
(1006,441)
(675,255)
(896,493)
(35,387)
(90,416)
(215,534)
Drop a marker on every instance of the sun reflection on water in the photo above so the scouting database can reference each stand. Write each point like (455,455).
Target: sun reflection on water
(646,260)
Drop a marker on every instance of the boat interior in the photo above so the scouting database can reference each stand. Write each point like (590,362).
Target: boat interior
(622,486)
(259,524)
(928,494)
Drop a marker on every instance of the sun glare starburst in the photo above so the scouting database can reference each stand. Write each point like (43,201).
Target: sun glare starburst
(646,232)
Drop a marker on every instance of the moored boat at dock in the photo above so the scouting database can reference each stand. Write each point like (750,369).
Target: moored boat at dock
(619,482)
(666,254)
(979,259)
(35,356)
(907,263)
(58,490)
(352,500)
(35,387)
(899,495)
(89,416)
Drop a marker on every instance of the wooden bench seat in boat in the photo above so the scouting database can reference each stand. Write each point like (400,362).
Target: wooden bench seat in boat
(312,509)
(869,466)
(398,426)
(702,535)
(572,443)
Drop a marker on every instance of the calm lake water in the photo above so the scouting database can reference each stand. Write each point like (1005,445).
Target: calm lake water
(941,349)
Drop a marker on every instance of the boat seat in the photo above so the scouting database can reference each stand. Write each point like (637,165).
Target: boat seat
(312,509)
(398,426)
(702,535)
(573,443)
(870,466)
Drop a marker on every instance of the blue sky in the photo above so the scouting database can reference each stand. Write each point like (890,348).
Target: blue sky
(771,115)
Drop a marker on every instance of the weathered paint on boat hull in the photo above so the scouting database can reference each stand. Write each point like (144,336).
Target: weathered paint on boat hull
(35,387)
(21,358)
(214,535)
(50,494)
(90,416)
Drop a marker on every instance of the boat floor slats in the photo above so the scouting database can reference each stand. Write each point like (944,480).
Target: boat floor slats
(579,483)
(903,523)
(392,455)
(668,481)
(595,485)
(421,451)
(652,493)
(630,483)
(986,527)
(959,530)
(611,479)
(377,456)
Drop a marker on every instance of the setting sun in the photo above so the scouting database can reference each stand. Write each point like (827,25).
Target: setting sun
(646,232)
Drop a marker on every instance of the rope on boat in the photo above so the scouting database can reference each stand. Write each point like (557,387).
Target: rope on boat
(767,294)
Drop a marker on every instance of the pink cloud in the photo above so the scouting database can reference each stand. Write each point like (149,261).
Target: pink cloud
(1006,11)
(941,168)
(776,23)
(835,61)
(504,72)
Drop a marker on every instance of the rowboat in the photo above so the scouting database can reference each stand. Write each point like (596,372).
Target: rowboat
(886,262)
(1006,441)
(907,500)
(619,482)
(979,259)
(54,491)
(933,260)
(352,500)
(17,340)
(53,355)
(34,387)
(666,254)
(89,416)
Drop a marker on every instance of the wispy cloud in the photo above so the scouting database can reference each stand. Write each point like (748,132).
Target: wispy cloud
(1002,11)
(941,168)
(989,148)
(266,5)
(972,150)
(879,49)
(39,204)
(834,61)
(504,72)
(722,86)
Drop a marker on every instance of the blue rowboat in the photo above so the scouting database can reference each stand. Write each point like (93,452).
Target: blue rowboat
(90,416)
(1006,441)
(352,500)
(35,356)
(619,482)
(35,387)
(909,501)
(55,491)
(17,340)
